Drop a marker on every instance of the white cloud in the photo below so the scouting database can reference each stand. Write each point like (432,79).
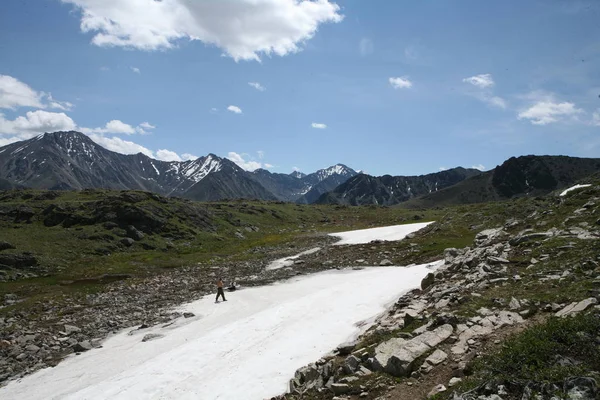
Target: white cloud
(318,126)
(246,162)
(257,86)
(365,46)
(188,157)
(479,167)
(596,118)
(481,81)
(483,91)
(443,168)
(119,145)
(243,29)
(167,155)
(261,154)
(548,111)
(248,165)
(114,126)
(147,125)
(295,169)
(35,122)
(235,109)
(60,105)
(400,82)
(104,69)
(9,140)
(136,70)
(214,110)
(14,94)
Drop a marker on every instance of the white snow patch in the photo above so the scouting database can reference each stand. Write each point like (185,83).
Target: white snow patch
(156,169)
(574,188)
(287,261)
(247,348)
(395,232)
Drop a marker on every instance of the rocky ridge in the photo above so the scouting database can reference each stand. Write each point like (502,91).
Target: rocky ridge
(431,337)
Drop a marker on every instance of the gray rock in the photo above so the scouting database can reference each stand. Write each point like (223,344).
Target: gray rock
(32,348)
(69,329)
(82,346)
(351,364)
(397,356)
(188,314)
(134,233)
(514,304)
(581,388)
(127,242)
(438,389)
(385,263)
(489,237)
(437,357)
(6,246)
(152,336)
(575,308)
(346,348)
(340,388)
(427,281)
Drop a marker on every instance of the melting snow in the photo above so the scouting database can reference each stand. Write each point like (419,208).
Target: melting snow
(246,348)
(287,261)
(156,169)
(395,232)
(574,188)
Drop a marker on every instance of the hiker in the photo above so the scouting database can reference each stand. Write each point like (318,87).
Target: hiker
(220,291)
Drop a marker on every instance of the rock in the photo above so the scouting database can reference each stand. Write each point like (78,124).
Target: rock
(69,329)
(340,388)
(528,237)
(427,281)
(32,348)
(575,308)
(514,304)
(437,357)
(239,235)
(385,262)
(127,242)
(19,261)
(363,395)
(454,381)
(82,346)
(397,356)
(351,364)
(438,389)
(6,246)
(489,237)
(134,233)
(497,260)
(152,336)
(581,388)
(346,348)
(188,314)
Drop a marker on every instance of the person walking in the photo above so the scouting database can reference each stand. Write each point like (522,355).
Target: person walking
(220,291)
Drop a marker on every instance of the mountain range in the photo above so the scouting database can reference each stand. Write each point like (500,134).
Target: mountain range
(72,161)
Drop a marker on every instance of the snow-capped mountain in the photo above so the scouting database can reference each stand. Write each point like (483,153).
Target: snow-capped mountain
(71,160)
(303,188)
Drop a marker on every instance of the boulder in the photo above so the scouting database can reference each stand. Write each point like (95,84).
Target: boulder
(6,246)
(152,336)
(340,388)
(346,348)
(437,357)
(127,242)
(489,237)
(351,364)
(427,281)
(82,346)
(134,233)
(575,308)
(397,356)
(385,263)
(69,329)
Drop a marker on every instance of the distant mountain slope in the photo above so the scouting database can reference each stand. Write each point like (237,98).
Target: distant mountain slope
(517,176)
(71,160)
(389,190)
(300,187)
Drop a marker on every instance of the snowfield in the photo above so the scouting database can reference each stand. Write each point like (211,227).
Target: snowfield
(246,348)
(566,191)
(395,232)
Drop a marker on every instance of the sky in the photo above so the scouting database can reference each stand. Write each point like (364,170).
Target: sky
(387,87)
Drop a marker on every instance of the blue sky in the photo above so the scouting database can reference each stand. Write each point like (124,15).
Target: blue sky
(389,87)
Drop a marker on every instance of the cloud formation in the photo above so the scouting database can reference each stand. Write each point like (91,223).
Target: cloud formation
(243,29)
(15,94)
(481,81)
(35,122)
(400,82)
(257,86)
(136,70)
(235,109)
(483,84)
(316,125)
(547,112)
(244,163)
(365,46)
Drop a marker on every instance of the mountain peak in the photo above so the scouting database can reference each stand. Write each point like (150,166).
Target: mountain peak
(298,174)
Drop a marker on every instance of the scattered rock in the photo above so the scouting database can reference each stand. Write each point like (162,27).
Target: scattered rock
(575,308)
(152,336)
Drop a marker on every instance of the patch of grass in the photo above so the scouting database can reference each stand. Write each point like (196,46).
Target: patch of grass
(536,354)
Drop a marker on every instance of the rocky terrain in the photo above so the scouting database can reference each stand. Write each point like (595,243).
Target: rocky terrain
(445,339)
(507,267)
